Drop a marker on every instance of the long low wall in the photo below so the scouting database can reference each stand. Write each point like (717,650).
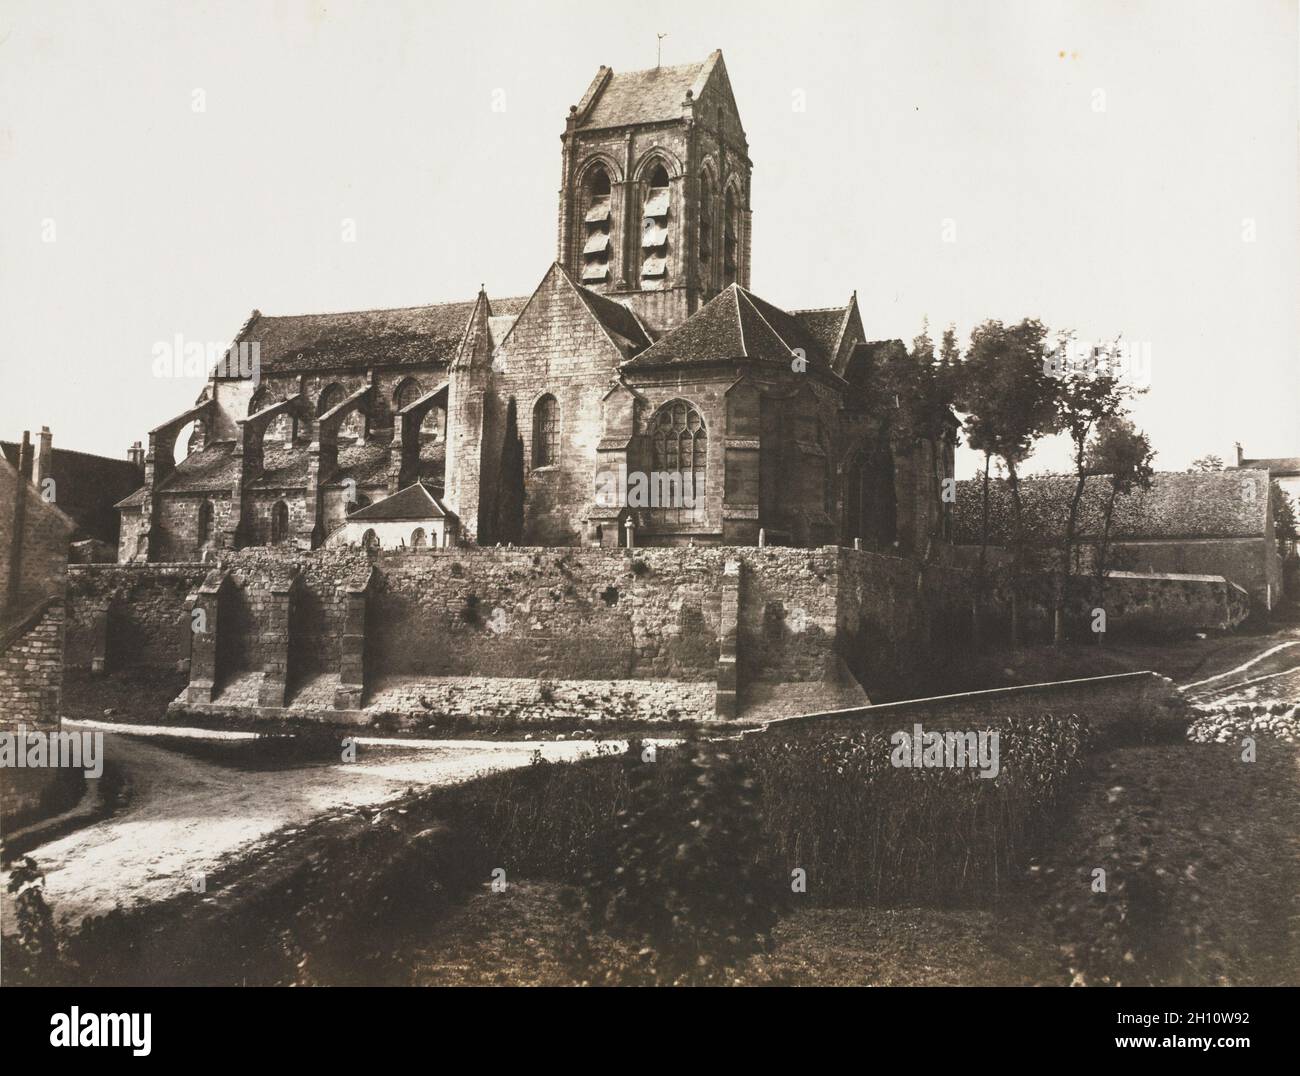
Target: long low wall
(707,615)
(1105,701)
(275,629)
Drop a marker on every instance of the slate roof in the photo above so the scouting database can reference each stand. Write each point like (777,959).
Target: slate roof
(735,324)
(363,338)
(1209,505)
(649,96)
(412,503)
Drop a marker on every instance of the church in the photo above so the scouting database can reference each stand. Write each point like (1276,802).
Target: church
(641,352)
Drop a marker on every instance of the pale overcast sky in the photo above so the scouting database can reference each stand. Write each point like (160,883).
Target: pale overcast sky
(1106,166)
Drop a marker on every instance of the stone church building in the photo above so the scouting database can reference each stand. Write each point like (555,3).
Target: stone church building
(642,352)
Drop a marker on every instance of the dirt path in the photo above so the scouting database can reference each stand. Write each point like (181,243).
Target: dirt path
(1265,670)
(185,816)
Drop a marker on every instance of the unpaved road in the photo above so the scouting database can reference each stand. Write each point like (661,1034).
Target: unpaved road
(1268,671)
(184,815)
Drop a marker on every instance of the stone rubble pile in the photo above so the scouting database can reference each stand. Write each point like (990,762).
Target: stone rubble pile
(1280,720)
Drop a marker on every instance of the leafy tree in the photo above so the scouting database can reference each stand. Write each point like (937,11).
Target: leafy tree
(1124,454)
(1206,464)
(1010,400)
(508,521)
(1088,393)
(927,390)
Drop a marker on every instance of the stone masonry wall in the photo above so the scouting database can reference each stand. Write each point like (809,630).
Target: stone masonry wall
(129,614)
(31,672)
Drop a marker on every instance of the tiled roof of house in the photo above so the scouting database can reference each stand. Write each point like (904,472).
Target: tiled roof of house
(1279,465)
(824,326)
(413,502)
(649,96)
(362,338)
(1216,504)
(735,324)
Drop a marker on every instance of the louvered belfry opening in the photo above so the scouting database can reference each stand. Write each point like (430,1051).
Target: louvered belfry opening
(596,218)
(654,233)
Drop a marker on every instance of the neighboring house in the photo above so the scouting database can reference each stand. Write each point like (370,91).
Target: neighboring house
(1211,523)
(641,351)
(86,487)
(412,518)
(34,537)
(1285,471)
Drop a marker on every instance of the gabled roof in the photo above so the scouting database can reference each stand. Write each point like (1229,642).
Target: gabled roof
(824,326)
(735,324)
(34,496)
(1285,466)
(833,327)
(363,338)
(651,96)
(412,503)
(621,326)
(615,317)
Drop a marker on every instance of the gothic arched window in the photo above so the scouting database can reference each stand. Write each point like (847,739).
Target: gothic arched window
(679,452)
(654,234)
(595,226)
(279,523)
(205,523)
(546,432)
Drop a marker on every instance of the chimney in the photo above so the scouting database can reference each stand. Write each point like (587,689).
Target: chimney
(1238,443)
(44,459)
(25,456)
(16,536)
(136,455)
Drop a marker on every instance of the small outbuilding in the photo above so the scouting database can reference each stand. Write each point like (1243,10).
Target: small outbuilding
(412,518)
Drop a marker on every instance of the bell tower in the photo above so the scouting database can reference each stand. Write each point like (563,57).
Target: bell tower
(654,194)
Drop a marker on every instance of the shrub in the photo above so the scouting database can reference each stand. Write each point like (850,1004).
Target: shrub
(692,886)
(33,954)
